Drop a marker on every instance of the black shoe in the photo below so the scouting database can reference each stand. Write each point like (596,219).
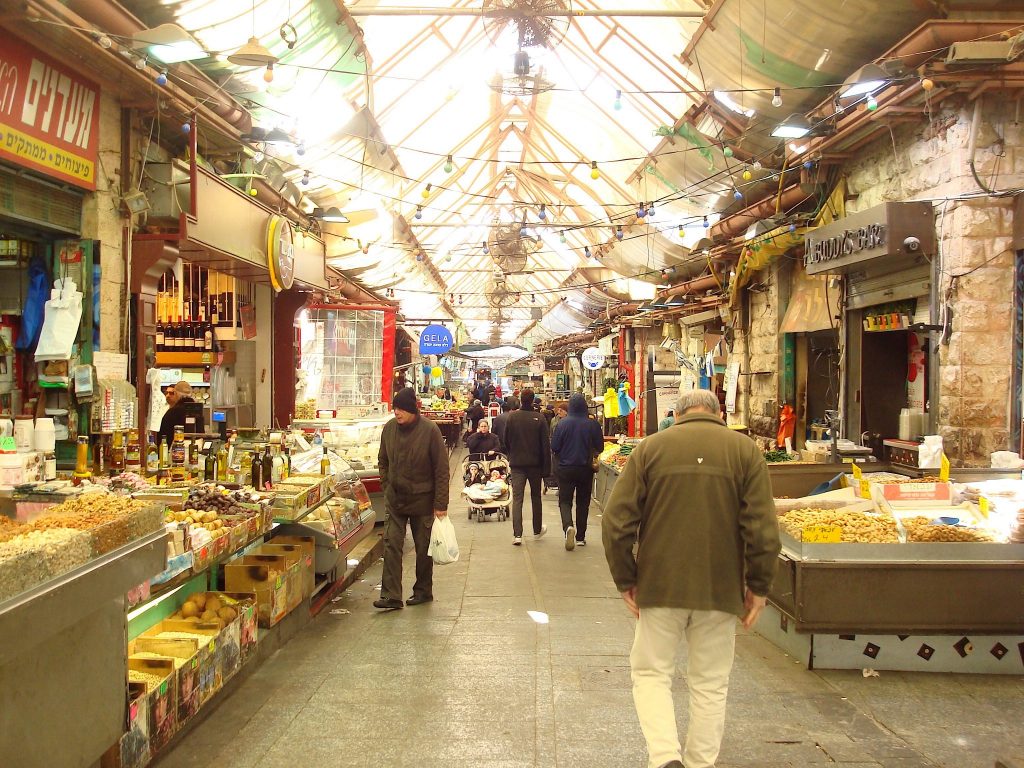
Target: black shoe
(419,600)
(388,603)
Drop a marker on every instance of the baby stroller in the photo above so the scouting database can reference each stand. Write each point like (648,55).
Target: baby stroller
(484,464)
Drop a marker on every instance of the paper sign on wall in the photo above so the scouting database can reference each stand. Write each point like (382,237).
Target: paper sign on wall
(732,376)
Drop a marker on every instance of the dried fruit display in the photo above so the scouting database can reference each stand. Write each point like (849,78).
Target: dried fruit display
(32,558)
(923,529)
(858,527)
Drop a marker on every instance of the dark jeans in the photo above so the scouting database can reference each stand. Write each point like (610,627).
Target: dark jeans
(394,543)
(518,480)
(578,480)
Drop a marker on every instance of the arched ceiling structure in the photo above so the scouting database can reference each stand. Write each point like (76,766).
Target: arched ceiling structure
(670,98)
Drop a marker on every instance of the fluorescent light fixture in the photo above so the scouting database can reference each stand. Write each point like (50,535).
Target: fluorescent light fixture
(866,80)
(647,306)
(169,43)
(726,100)
(267,136)
(761,227)
(796,126)
(332,215)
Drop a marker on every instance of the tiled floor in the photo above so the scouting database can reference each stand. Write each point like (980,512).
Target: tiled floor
(472,680)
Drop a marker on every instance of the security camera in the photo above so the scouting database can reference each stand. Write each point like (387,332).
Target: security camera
(912,243)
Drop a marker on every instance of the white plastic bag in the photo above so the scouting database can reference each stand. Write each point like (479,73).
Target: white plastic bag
(929,455)
(63,315)
(444,548)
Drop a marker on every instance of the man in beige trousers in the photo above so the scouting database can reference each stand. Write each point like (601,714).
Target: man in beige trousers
(698,500)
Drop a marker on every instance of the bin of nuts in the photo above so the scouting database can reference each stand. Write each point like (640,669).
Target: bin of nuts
(111,521)
(858,527)
(926,529)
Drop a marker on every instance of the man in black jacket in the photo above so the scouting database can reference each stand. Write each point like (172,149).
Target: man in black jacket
(413,464)
(529,455)
(177,398)
(474,414)
(509,405)
(576,440)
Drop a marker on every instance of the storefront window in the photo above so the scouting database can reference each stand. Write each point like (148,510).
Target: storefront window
(342,357)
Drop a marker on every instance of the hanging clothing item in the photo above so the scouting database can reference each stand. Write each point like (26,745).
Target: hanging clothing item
(611,403)
(35,302)
(626,404)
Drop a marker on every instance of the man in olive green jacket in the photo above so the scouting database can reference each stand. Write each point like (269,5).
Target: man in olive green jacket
(698,500)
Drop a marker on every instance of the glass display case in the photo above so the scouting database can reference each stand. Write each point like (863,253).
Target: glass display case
(356,440)
(342,357)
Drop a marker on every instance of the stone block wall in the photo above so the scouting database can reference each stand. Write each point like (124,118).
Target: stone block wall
(102,220)
(930,161)
(757,349)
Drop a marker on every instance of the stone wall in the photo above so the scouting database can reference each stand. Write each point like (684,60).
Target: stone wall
(102,220)
(756,346)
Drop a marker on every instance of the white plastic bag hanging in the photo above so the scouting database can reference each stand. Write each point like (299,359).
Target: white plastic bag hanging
(444,547)
(62,318)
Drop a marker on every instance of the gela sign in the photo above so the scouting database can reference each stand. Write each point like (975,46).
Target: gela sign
(847,243)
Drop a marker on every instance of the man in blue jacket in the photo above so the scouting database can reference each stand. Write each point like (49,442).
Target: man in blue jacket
(577,439)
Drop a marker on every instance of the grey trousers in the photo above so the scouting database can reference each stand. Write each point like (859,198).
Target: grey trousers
(394,543)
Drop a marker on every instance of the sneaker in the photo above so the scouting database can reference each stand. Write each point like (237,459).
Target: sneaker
(570,539)
(543,530)
(581,543)
(517,540)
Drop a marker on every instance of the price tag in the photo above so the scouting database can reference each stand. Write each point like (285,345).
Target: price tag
(857,473)
(865,489)
(820,533)
(944,471)
(983,507)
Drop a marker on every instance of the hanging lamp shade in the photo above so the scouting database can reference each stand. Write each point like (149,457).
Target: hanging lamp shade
(253,54)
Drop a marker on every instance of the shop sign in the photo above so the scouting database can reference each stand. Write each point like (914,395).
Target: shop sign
(887,230)
(436,340)
(280,252)
(592,359)
(49,115)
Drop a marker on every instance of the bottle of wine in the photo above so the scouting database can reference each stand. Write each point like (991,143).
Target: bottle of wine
(268,469)
(214,302)
(207,337)
(159,334)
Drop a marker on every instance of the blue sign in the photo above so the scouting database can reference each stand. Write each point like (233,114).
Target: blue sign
(436,340)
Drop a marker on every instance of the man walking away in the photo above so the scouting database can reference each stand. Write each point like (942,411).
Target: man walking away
(529,455)
(698,500)
(413,463)
(475,414)
(576,440)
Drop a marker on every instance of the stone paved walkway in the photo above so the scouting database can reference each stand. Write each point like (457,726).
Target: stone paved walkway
(472,680)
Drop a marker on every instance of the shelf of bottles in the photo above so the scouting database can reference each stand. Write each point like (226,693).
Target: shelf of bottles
(196,312)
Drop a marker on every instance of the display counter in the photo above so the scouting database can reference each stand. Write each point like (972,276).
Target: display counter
(449,420)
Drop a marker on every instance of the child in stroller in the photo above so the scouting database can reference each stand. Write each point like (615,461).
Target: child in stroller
(486,486)
(489,491)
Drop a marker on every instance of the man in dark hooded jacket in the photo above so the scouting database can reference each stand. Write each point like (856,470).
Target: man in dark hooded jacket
(577,439)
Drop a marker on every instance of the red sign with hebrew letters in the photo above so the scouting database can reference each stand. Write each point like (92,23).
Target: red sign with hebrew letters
(49,115)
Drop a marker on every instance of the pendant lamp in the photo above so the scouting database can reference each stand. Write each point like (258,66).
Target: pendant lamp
(252,54)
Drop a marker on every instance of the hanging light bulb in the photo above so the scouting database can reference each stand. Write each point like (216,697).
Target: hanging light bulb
(366,248)
(872,104)
(747,175)
(253,191)
(706,222)
(594,173)
(618,232)
(533,298)
(186,127)
(737,194)
(419,256)
(543,213)
(792,227)
(682,232)
(486,249)
(268,73)
(586,251)
(808,164)
(449,166)
(756,165)
(104,41)
(419,212)
(588,290)
(161,79)
(426,192)
(305,178)
(777,97)
(618,101)
(140,63)
(640,210)
(727,151)
(460,298)
(927,83)
(300,150)
(561,236)
(650,208)
(451,298)
(838,106)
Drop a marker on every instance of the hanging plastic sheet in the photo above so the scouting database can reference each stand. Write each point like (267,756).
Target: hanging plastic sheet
(35,305)
(62,318)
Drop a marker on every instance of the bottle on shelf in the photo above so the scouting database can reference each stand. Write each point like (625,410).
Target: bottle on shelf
(268,469)
(159,334)
(163,472)
(207,337)
(286,458)
(152,457)
(210,468)
(211,288)
(81,460)
(222,463)
(117,453)
(194,460)
(277,466)
(179,470)
(325,463)
(133,453)
(256,471)
(49,466)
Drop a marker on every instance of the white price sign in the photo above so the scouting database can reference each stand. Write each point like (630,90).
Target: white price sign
(592,358)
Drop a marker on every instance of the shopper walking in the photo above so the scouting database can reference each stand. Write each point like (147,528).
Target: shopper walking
(500,422)
(529,456)
(698,501)
(576,441)
(413,464)
(475,413)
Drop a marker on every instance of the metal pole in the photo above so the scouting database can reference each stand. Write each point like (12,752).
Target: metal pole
(502,13)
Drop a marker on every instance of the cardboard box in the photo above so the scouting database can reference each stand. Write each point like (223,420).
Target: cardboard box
(265,576)
(238,637)
(160,703)
(187,676)
(208,680)
(132,749)
(295,552)
(308,545)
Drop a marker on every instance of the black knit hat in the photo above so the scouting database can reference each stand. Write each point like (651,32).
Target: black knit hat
(405,399)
